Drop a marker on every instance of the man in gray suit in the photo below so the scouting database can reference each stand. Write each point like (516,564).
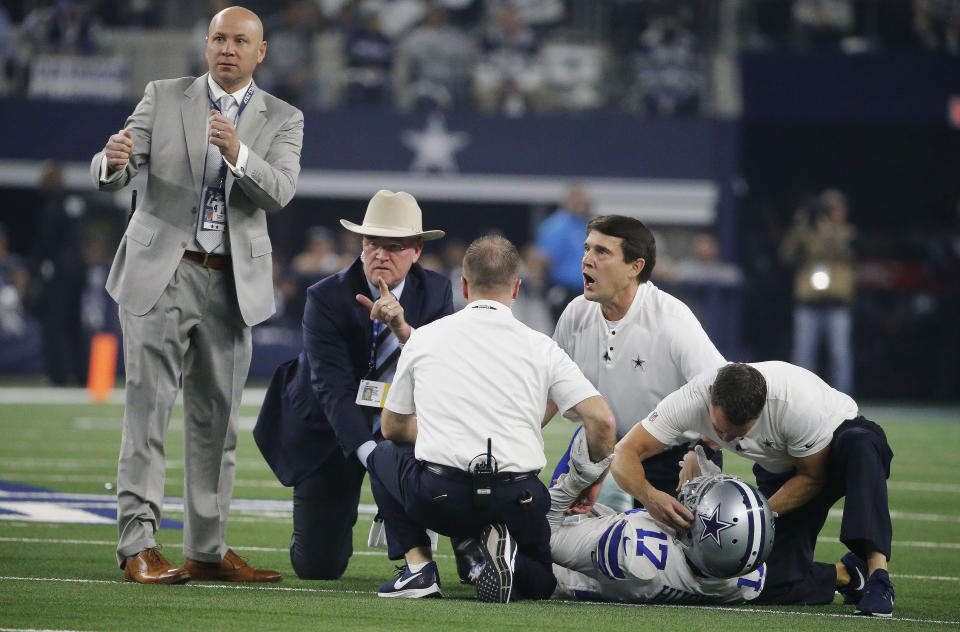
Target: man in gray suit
(192,274)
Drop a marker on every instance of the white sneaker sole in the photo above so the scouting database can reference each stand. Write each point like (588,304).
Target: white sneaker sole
(414,593)
(496,579)
(882,615)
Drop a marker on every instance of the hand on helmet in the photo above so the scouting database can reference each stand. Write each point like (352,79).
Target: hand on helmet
(668,510)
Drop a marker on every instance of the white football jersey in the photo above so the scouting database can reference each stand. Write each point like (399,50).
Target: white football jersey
(629,557)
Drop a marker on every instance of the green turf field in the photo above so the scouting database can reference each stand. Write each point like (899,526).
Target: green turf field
(63,576)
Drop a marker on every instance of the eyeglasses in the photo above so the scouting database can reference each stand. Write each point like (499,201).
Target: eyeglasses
(390,247)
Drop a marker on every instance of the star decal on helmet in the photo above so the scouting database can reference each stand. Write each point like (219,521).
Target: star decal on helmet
(713,525)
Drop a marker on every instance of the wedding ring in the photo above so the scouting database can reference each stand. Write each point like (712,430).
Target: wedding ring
(218,133)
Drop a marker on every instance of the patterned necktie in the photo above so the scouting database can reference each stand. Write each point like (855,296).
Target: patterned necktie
(210,240)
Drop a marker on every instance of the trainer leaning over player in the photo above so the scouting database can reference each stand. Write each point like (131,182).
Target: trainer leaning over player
(811,447)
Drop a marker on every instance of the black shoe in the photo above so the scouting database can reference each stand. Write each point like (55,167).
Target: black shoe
(877,600)
(468,554)
(857,569)
(495,579)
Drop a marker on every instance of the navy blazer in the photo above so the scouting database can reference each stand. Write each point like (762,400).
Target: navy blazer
(310,407)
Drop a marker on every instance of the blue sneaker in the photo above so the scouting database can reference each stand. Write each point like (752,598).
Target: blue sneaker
(423,583)
(495,580)
(857,569)
(877,600)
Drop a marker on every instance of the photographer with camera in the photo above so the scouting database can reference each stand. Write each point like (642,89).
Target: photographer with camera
(818,246)
(478,382)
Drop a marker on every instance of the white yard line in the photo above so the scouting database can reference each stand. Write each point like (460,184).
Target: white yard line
(584,603)
(245,423)
(36,630)
(260,549)
(906,515)
(254,397)
(94,478)
(50,395)
(24,464)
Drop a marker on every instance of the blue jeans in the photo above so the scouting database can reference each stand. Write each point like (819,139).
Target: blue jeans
(811,324)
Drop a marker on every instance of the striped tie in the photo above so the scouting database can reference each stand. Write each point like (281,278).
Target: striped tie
(387,345)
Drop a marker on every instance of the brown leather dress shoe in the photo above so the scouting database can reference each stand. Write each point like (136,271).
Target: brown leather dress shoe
(149,567)
(231,569)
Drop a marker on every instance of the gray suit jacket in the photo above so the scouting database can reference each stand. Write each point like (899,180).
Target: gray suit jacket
(169,132)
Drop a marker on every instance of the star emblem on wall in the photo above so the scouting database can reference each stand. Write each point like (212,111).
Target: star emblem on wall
(713,525)
(434,148)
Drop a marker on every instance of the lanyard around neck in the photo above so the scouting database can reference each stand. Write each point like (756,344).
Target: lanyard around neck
(243,103)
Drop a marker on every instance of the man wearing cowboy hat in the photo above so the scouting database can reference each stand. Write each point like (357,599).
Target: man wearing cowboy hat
(320,416)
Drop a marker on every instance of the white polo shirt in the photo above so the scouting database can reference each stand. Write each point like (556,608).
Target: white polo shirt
(481,373)
(798,420)
(656,348)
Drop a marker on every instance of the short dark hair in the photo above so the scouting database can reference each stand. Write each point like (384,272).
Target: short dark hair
(638,241)
(491,261)
(740,392)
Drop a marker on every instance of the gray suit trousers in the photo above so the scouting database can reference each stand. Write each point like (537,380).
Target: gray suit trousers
(194,334)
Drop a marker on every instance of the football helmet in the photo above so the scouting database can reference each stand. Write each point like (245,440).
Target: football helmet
(733,528)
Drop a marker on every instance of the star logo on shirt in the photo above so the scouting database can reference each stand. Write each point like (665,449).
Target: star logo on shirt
(713,525)
(606,356)
(768,443)
(434,148)
(638,363)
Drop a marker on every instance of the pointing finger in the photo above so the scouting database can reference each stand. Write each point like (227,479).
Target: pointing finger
(363,300)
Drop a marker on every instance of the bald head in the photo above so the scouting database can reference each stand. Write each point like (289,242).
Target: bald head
(238,14)
(234,47)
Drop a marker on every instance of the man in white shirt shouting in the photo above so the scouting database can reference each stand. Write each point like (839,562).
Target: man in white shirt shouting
(633,341)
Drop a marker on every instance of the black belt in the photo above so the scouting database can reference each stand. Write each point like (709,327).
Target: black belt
(217,262)
(462,476)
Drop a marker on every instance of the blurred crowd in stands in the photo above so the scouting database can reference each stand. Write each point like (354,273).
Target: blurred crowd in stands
(513,57)
(507,56)
(52,297)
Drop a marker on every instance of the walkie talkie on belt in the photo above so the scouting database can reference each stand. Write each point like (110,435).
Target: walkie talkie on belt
(483,473)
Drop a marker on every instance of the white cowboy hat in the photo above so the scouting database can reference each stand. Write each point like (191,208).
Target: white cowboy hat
(392,214)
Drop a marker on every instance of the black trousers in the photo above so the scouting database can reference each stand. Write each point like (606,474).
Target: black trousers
(412,499)
(324,514)
(858,468)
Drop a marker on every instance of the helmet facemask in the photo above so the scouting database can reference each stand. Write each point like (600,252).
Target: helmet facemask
(733,528)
